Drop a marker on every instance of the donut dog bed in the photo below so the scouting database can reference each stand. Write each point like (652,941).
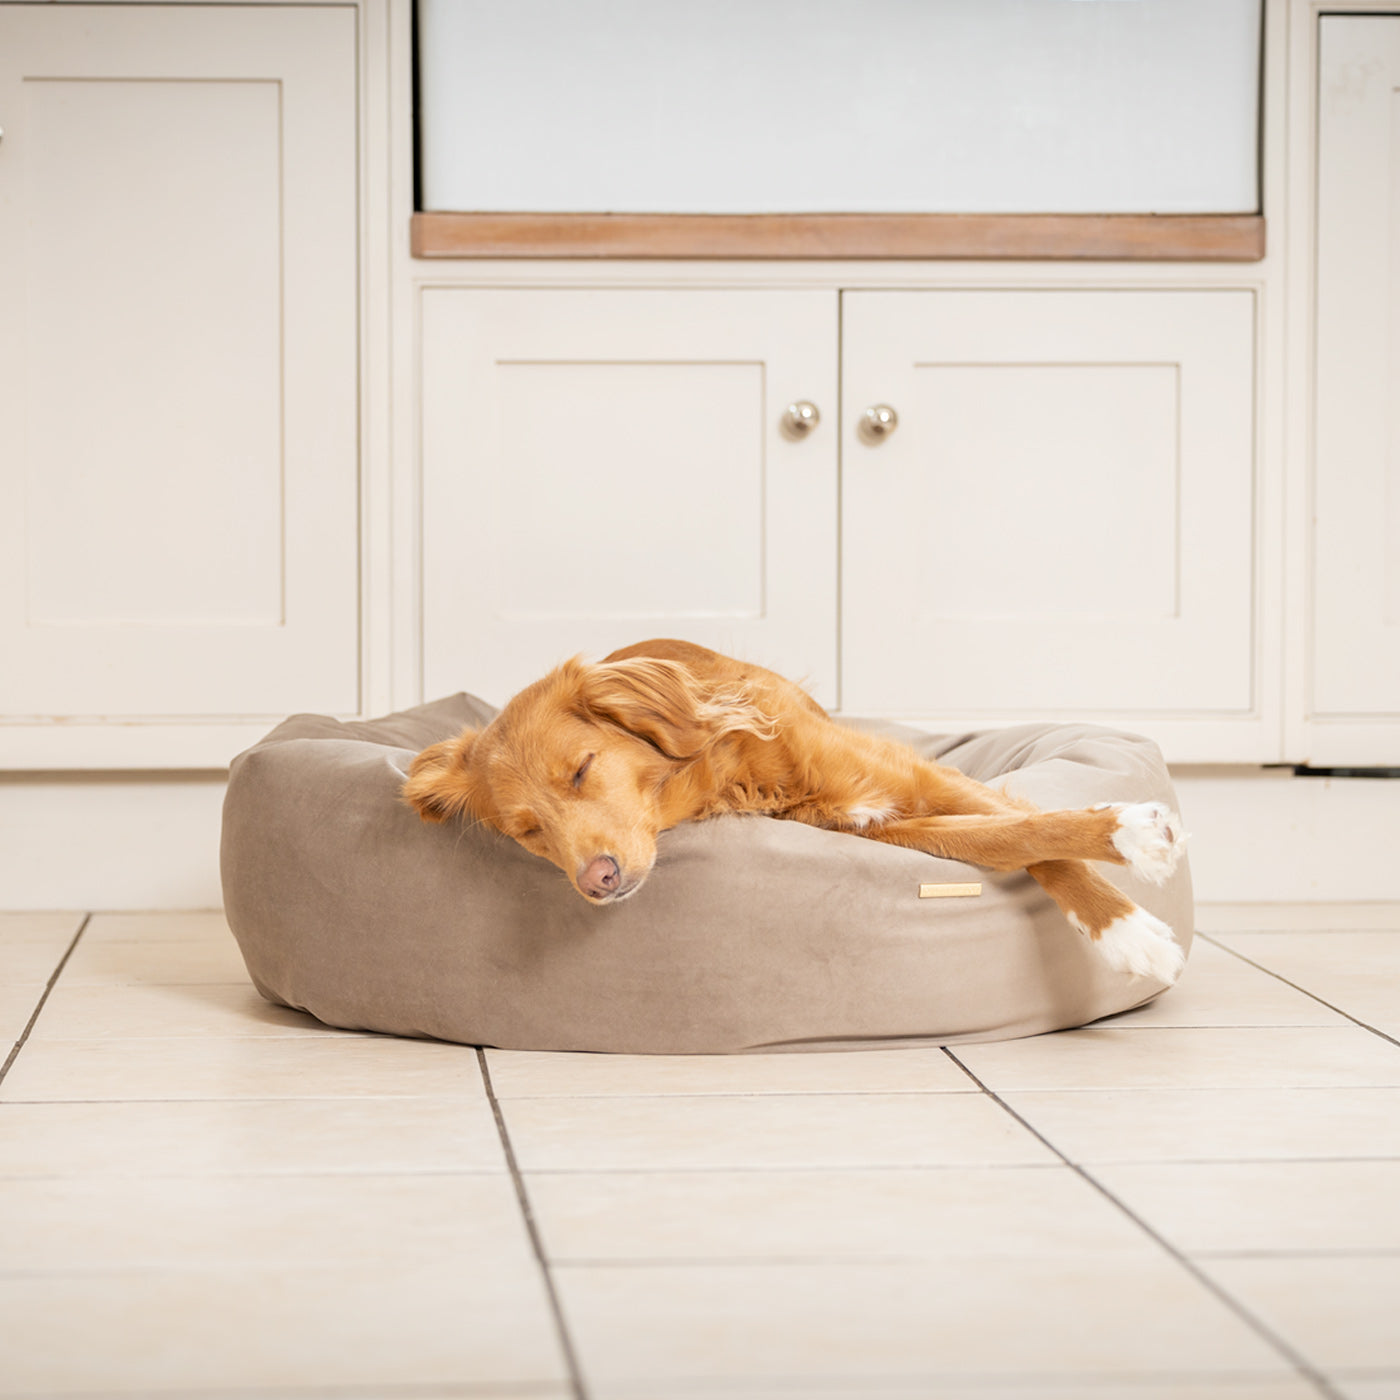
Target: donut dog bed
(752,933)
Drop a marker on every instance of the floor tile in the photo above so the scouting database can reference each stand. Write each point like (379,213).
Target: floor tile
(527,1074)
(1359,973)
(184,1167)
(1219,989)
(1223,917)
(31,960)
(525,1390)
(1264,1207)
(364,1222)
(42,926)
(32,947)
(462,1390)
(161,924)
(1339,1312)
(996,1318)
(164,1331)
(307,1066)
(260,1135)
(1184,1125)
(1219,1386)
(123,1012)
(937,1213)
(17,1003)
(157,962)
(1217,1057)
(1369,1388)
(1342,952)
(766,1130)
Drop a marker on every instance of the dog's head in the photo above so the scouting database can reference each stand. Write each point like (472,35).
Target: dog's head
(575,768)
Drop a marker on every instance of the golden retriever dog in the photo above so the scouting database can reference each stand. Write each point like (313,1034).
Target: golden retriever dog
(586,767)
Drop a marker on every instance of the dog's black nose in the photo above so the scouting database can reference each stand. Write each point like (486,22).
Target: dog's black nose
(600,877)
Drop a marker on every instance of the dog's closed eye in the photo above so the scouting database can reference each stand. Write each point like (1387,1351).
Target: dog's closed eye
(582,771)
(522,824)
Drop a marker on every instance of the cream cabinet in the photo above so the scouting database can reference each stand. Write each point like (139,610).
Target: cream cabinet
(603,466)
(179,545)
(1050,512)
(1062,520)
(1353,641)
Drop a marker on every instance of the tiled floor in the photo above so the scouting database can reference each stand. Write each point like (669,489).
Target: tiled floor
(202,1195)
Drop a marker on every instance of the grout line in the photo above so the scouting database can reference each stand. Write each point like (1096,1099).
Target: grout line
(1295,1358)
(566,1344)
(43,999)
(1321,1001)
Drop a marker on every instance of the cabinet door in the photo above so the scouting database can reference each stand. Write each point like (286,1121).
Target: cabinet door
(1062,522)
(602,467)
(1355,651)
(178,362)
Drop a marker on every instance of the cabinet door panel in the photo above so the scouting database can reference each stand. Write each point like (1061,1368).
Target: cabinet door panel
(1355,661)
(178,453)
(117,245)
(601,467)
(1062,522)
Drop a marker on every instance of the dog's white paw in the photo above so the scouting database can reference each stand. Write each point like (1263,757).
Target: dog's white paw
(1149,838)
(1141,945)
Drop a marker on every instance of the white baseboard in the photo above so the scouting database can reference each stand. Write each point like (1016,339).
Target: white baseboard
(123,841)
(1265,835)
(110,841)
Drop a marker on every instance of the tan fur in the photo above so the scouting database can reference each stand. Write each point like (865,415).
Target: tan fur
(596,761)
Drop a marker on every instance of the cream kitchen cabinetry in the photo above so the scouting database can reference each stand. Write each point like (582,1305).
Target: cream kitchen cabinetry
(1353,640)
(179,541)
(1061,521)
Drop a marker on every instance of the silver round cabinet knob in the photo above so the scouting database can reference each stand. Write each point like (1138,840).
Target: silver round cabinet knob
(877,423)
(800,418)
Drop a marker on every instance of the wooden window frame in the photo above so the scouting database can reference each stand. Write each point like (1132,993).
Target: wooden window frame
(1125,237)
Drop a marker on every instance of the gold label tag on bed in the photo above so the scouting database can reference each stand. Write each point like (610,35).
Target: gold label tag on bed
(949,891)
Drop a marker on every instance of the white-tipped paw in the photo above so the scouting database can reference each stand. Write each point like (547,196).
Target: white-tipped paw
(1141,945)
(1149,838)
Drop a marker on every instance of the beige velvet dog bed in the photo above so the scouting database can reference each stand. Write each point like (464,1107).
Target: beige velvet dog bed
(750,934)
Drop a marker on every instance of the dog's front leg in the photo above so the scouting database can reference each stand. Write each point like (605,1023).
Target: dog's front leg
(1052,847)
(1144,836)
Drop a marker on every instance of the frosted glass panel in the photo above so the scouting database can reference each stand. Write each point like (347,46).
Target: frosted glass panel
(773,106)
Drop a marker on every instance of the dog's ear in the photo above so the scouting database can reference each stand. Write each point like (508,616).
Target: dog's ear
(664,703)
(440,780)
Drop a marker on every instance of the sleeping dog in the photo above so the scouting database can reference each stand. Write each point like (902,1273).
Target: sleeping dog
(587,766)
